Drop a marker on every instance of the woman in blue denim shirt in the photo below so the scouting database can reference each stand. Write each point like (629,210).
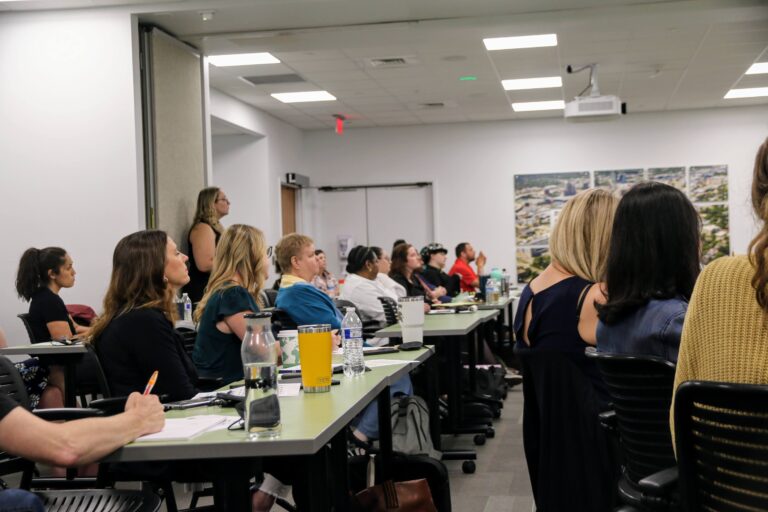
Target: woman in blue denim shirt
(653,264)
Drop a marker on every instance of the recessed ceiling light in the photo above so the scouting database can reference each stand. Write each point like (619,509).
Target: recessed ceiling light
(530,106)
(544,82)
(513,43)
(301,97)
(242,59)
(758,68)
(750,92)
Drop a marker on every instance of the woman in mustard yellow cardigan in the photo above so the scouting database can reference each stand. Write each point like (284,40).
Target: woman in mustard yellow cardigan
(725,335)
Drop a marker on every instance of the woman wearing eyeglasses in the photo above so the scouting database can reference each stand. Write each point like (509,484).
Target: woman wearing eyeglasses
(240,268)
(212,205)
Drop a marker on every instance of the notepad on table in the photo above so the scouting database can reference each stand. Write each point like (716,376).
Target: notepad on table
(179,429)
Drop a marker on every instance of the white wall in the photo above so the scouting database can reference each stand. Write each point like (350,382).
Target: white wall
(472,164)
(69,153)
(250,168)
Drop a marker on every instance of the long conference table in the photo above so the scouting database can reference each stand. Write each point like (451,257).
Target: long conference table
(309,423)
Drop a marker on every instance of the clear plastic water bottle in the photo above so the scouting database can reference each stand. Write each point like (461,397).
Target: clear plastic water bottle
(179,306)
(491,291)
(259,353)
(187,302)
(352,339)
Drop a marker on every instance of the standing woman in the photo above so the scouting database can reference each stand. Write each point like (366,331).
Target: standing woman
(566,449)
(325,281)
(212,205)
(240,269)
(647,289)
(725,336)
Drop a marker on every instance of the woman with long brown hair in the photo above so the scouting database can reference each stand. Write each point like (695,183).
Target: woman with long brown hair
(212,205)
(725,336)
(134,337)
(406,264)
(239,270)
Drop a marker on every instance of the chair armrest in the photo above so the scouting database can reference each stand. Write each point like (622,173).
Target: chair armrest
(206,384)
(661,483)
(66,414)
(109,406)
(608,420)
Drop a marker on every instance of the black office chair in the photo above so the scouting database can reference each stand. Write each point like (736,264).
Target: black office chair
(390,309)
(721,432)
(12,386)
(25,320)
(188,337)
(271,297)
(640,389)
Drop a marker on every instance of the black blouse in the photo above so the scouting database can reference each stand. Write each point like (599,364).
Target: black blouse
(137,343)
(46,307)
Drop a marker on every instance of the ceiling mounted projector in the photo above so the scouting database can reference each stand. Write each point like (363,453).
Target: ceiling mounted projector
(594,106)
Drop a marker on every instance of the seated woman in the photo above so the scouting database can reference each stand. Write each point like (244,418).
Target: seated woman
(240,268)
(567,452)
(41,275)
(212,205)
(134,336)
(406,263)
(385,266)
(325,281)
(647,289)
(725,336)
(361,286)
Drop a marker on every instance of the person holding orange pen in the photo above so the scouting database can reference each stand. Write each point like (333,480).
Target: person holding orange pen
(151,383)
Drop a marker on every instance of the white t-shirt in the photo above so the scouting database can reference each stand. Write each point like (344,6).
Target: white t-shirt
(390,284)
(365,293)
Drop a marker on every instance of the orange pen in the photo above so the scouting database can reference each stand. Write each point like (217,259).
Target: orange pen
(151,383)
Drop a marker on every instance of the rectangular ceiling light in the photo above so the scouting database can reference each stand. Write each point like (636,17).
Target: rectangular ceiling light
(242,59)
(513,43)
(520,84)
(758,68)
(531,106)
(750,92)
(301,97)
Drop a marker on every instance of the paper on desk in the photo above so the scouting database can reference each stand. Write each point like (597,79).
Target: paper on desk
(377,363)
(209,394)
(177,429)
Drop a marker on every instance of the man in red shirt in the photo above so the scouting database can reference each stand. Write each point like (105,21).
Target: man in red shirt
(465,254)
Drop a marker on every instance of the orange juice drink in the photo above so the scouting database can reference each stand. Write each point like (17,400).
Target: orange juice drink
(315,347)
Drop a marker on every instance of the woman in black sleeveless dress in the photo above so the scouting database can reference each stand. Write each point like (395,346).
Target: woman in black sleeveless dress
(567,451)
(212,205)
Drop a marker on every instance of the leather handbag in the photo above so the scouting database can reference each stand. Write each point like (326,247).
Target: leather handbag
(411,496)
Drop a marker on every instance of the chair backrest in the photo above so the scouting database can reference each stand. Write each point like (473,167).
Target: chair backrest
(282,321)
(188,337)
(390,309)
(271,297)
(25,320)
(640,388)
(342,304)
(101,378)
(721,431)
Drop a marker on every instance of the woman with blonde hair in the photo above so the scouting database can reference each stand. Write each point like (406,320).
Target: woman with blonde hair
(212,205)
(567,452)
(239,271)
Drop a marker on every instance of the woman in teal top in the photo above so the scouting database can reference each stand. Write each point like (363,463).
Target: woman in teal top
(239,270)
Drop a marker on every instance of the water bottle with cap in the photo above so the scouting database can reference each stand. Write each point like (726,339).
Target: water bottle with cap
(352,339)
(259,354)
(187,302)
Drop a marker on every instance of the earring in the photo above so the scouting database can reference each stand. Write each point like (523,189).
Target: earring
(165,280)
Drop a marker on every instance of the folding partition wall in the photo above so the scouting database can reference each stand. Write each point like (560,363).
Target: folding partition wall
(174,137)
